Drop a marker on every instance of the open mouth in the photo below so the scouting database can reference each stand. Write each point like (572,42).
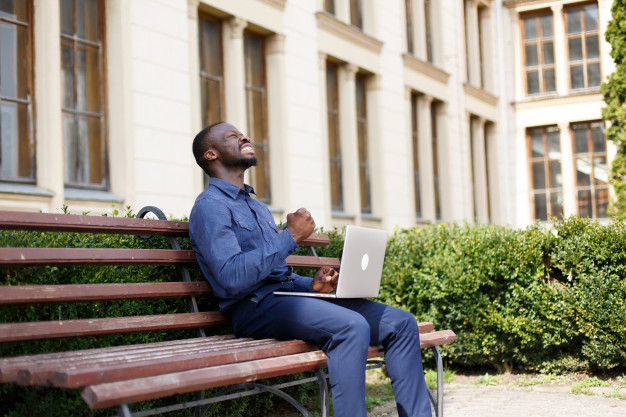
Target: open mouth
(247,148)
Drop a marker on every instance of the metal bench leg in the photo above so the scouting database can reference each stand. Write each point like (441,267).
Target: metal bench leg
(324,394)
(439,403)
(123,410)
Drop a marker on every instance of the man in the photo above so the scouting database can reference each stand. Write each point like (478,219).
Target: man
(242,254)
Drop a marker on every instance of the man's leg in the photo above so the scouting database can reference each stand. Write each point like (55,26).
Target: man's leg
(397,332)
(343,334)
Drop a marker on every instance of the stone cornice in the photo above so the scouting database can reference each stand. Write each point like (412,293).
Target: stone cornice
(279,4)
(330,24)
(591,95)
(480,94)
(425,68)
(514,3)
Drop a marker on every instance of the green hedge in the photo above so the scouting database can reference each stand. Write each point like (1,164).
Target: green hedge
(549,300)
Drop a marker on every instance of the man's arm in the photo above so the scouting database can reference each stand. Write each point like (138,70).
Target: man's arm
(221,256)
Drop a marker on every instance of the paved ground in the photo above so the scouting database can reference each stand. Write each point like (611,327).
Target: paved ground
(466,399)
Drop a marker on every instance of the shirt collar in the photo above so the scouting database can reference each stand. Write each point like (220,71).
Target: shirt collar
(229,189)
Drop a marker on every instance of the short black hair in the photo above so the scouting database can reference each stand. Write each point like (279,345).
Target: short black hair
(200,145)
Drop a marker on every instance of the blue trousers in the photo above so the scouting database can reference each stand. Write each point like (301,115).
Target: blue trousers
(344,329)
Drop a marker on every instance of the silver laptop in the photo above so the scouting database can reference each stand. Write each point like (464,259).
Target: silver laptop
(361,265)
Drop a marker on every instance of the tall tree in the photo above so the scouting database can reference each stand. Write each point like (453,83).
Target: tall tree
(614,91)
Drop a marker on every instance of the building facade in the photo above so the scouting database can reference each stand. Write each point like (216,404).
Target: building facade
(370,112)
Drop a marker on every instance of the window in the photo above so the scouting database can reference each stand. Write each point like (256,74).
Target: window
(329,6)
(434,108)
(429,30)
(334,143)
(211,75)
(592,180)
(361,122)
(538,39)
(356,14)
(409,25)
(82,71)
(583,41)
(17,156)
(472,131)
(256,101)
(415,141)
(544,147)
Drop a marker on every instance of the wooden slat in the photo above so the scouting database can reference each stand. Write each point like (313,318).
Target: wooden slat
(110,394)
(311,262)
(13,332)
(97,256)
(91,224)
(24,294)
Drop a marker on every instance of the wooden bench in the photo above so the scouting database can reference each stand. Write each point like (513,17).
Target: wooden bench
(118,375)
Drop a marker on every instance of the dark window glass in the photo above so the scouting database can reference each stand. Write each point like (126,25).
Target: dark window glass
(545,171)
(82,70)
(592,180)
(363,145)
(17,145)
(211,77)
(329,6)
(334,139)
(256,101)
(356,13)
(415,142)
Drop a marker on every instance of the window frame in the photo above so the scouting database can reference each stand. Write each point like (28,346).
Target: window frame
(29,102)
(584,62)
(540,40)
(592,188)
(364,165)
(74,40)
(205,76)
(548,190)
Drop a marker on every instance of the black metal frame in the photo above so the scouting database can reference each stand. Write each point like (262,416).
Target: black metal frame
(202,404)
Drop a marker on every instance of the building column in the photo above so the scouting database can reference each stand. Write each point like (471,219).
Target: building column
(560,46)
(425,157)
(375,145)
(494,179)
(473,43)
(235,72)
(195,119)
(348,133)
(277,123)
(567,170)
(49,155)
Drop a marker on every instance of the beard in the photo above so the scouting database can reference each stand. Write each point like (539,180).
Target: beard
(243,162)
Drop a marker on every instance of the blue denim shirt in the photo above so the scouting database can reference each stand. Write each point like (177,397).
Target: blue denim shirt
(238,245)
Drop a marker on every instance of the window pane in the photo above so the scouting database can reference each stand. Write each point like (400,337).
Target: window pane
(210,48)
(532,81)
(549,78)
(9,143)
(356,17)
(95,151)
(545,22)
(577,77)
(14,9)
(584,203)
(536,142)
(600,171)
(554,143)
(329,6)
(591,17)
(581,143)
(583,171)
(541,207)
(556,179)
(548,53)
(67,70)
(575,49)
(593,74)
(592,46)
(8,49)
(67,17)
(573,20)
(597,137)
(530,27)
(556,205)
(532,57)
(539,176)
(87,20)
(602,202)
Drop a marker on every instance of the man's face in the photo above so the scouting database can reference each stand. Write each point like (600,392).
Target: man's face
(233,147)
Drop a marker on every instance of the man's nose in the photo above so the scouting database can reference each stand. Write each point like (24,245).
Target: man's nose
(244,138)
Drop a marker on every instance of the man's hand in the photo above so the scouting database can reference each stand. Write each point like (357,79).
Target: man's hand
(325,280)
(300,224)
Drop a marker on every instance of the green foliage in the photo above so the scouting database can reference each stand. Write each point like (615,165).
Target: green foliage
(544,299)
(614,91)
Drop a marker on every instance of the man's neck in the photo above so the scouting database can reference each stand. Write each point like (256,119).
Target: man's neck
(235,178)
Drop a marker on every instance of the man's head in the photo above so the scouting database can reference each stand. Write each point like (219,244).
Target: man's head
(222,145)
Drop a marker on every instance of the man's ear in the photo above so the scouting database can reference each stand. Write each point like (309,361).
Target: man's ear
(210,154)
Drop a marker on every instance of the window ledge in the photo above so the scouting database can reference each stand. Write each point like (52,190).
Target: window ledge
(29,189)
(369,216)
(342,215)
(91,195)
(275,210)
(352,34)
(414,63)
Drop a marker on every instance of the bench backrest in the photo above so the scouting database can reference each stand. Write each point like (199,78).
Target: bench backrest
(65,256)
